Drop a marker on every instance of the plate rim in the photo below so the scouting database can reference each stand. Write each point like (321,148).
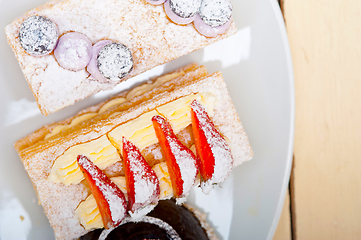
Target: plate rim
(281,24)
(289,66)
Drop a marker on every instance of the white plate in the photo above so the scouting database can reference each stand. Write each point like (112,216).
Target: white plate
(256,65)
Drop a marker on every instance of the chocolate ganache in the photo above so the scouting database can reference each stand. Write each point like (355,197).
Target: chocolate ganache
(182,223)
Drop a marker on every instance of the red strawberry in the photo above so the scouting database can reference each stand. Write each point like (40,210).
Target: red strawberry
(181,162)
(215,156)
(109,198)
(142,182)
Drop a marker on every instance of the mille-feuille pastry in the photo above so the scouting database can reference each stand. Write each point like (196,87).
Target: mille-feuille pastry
(115,161)
(69,50)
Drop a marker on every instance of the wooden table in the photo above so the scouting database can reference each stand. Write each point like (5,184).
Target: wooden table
(325,197)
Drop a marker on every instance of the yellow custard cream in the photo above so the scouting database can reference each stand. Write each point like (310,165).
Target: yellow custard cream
(88,212)
(139,131)
(66,170)
(178,112)
(133,93)
(165,185)
(75,121)
(110,104)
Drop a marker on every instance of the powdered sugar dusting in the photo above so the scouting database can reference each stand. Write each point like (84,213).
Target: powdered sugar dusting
(59,201)
(185,8)
(223,161)
(186,164)
(73,51)
(208,30)
(38,35)
(175,17)
(144,188)
(157,153)
(143,27)
(215,13)
(93,65)
(115,61)
(69,196)
(109,191)
(141,212)
(146,183)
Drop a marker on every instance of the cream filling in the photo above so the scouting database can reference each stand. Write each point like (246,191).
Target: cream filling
(133,93)
(88,212)
(111,103)
(75,121)
(66,169)
(139,131)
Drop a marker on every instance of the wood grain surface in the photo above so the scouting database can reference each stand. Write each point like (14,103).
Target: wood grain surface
(283,231)
(325,41)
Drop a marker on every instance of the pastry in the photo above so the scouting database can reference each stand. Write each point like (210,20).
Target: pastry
(154,121)
(69,50)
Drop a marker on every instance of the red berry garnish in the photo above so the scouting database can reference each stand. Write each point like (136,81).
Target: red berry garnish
(109,198)
(181,161)
(215,156)
(142,182)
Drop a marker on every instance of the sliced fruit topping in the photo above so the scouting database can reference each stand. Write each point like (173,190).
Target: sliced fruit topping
(74,51)
(93,65)
(185,8)
(38,35)
(115,61)
(181,161)
(215,156)
(142,182)
(214,17)
(110,199)
(215,13)
(209,31)
(182,11)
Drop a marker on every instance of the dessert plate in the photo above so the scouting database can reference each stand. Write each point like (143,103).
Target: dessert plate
(256,65)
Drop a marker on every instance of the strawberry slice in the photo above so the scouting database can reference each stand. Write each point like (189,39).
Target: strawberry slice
(215,156)
(109,198)
(181,161)
(142,182)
